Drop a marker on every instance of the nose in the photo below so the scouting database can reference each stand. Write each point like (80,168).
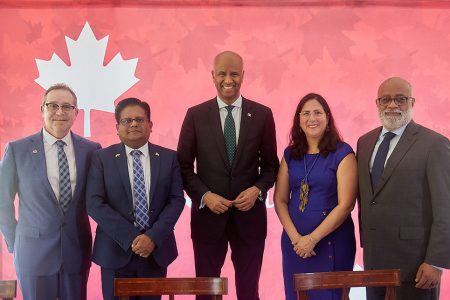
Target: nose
(392,104)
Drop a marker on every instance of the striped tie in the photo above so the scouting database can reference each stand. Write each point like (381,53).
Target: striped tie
(140,197)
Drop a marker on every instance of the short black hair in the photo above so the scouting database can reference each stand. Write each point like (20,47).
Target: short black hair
(131,102)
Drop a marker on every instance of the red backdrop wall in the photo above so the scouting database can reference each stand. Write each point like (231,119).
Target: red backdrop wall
(340,51)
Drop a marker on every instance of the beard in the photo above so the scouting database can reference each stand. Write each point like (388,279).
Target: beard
(395,122)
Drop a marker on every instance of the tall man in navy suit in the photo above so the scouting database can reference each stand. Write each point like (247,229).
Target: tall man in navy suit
(404,188)
(135,195)
(51,239)
(232,140)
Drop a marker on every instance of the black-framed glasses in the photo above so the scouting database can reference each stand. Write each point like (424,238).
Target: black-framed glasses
(128,121)
(53,107)
(400,100)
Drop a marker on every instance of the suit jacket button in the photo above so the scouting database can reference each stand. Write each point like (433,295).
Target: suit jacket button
(373,203)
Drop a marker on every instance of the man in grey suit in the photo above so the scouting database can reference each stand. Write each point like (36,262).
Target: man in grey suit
(404,201)
(51,238)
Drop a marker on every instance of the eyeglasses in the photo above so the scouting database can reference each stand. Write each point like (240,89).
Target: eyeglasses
(53,107)
(399,100)
(128,121)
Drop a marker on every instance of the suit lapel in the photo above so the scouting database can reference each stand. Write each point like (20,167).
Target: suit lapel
(246,119)
(407,139)
(216,128)
(39,163)
(364,155)
(155,163)
(120,157)
(80,158)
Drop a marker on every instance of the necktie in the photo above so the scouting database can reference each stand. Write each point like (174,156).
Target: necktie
(229,131)
(65,190)
(140,197)
(380,158)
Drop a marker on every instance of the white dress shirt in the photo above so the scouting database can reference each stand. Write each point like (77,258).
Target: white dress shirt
(394,141)
(51,159)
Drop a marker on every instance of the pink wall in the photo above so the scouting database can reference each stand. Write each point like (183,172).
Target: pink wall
(341,52)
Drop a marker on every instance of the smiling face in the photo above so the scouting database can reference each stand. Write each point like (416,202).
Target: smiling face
(134,134)
(392,115)
(313,120)
(59,122)
(227,75)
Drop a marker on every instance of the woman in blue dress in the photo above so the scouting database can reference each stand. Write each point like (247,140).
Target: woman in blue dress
(315,193)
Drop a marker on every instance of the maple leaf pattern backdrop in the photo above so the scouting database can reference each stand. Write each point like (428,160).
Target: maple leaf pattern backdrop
(163,55)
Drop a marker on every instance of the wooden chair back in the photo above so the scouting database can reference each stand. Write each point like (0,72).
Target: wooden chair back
(8,289)
(126,287)
(390,279)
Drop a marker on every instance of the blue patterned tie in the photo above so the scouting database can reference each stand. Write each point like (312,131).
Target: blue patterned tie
(229,132)
(140,197)
(380,158)
(65,190)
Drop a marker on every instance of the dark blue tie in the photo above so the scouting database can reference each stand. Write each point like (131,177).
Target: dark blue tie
(229,132)
(65,189)
(140,195)
(380,158)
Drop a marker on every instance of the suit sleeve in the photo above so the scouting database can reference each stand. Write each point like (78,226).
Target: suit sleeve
(438,175)
(186,151)
(8,191)
(165,223)
(121,230)
(269,162)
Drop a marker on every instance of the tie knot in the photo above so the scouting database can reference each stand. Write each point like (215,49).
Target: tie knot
(389,136)
(229,108)
(60,143)
(136,153)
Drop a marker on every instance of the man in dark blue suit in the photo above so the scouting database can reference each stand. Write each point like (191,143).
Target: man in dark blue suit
(51,239)
(231,141)
(135,195)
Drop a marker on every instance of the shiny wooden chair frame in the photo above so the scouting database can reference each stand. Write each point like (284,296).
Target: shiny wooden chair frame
(126,287)
(390,279)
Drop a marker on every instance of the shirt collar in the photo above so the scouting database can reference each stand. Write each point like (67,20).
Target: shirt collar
(237,102)
(50,139)
(398,131)
(143,149)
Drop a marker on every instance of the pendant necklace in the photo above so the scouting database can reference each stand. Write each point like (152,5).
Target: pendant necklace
(304,187)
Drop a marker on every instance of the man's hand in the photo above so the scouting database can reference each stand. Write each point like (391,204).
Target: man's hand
(246,199)
(427,276)
(143,246)
(216,203)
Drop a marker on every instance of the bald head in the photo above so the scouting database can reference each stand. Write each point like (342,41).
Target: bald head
(228,55)
(395,86)
(227,74)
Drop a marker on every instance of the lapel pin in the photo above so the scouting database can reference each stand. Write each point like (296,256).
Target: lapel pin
(34,151)
(118,154)
(156,153)
(249,115)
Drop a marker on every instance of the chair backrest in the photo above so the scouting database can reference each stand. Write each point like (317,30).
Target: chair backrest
(126,287)
(8,289)
(390,279)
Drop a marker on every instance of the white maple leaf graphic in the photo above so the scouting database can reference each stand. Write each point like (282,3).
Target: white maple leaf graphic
(97,86)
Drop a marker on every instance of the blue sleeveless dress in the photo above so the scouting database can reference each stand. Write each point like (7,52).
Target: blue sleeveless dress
(335,252)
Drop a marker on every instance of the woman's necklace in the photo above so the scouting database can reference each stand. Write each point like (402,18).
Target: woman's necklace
(304,187)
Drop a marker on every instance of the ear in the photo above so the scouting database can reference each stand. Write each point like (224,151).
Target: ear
(212,74)
(117,128)
(413,100)
(150,124)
